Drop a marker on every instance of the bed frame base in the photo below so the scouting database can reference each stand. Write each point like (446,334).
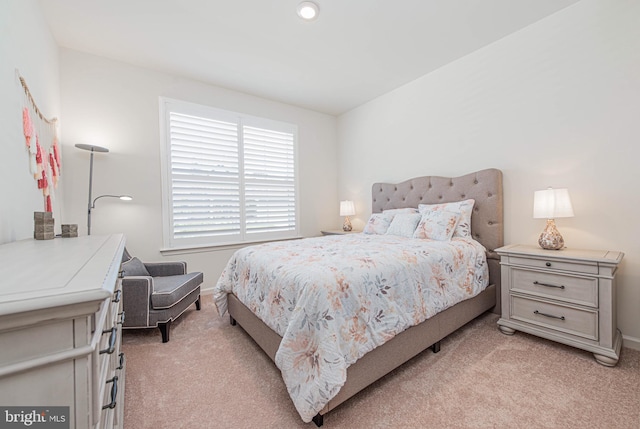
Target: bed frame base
(381,360)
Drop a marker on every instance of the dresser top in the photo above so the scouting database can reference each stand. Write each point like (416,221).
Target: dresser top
(600,256)
(38,274)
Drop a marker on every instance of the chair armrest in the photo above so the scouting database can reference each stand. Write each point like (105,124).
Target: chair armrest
(136,300)
(163,269)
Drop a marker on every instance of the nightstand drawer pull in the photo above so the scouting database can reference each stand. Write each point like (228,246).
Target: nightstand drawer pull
(536,282)
(548,315)
(117,297)
(548,264)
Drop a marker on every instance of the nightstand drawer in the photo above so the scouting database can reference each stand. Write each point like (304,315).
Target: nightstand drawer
(574,321)
(554,264)
(566,288)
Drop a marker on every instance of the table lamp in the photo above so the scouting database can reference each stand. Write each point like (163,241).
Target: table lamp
(550,204)
(347,209)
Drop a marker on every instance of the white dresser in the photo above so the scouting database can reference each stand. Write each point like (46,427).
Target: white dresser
(60,327)
(567,295)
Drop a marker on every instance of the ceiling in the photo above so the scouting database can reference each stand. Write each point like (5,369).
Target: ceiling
(355,51)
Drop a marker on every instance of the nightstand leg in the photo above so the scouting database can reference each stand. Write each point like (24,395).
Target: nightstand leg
(605,360)
(506,330)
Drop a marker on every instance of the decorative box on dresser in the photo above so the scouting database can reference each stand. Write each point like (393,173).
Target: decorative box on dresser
(60,328)
(567,295)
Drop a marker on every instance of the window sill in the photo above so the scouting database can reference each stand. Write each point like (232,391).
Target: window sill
(217,247)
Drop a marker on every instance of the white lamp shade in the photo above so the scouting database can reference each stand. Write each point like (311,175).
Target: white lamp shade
(552,203)
(347,208)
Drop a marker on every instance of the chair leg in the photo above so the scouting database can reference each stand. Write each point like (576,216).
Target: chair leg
(164,330)
(198,303)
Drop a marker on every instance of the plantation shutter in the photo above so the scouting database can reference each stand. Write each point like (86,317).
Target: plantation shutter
(229,178)
(205,177)
(269,172)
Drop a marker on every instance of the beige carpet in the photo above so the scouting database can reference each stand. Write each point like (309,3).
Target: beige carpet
(212,375)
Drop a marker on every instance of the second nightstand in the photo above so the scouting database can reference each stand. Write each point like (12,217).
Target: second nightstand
(338,232)
(564,295)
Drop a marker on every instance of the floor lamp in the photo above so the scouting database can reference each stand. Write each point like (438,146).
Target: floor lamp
(92,203)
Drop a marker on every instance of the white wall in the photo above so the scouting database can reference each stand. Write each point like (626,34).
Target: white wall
(115,105)
(26,44)
(555,104)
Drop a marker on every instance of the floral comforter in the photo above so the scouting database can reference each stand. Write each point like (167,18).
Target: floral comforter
(335,298)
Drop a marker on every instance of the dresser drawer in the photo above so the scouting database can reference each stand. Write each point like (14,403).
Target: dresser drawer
(579,322)
(553,264)
(566,288)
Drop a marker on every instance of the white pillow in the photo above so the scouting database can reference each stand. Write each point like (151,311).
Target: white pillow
(378,223)
(437,225)
(464,208)
(404,224)
(400,211)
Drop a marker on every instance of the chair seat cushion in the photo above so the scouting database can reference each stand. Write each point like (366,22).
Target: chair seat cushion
(167,291)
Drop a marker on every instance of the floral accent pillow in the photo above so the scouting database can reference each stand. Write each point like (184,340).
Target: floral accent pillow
(378,223)
(404,224)
(464,208)
(437,225)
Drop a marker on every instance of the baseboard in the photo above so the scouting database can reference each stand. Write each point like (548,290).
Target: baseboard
(631,342)
(207,291)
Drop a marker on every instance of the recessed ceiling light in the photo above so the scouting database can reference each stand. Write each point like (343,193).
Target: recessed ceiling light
(308,10)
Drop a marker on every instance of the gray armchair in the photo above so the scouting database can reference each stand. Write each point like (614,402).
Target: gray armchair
(155,294)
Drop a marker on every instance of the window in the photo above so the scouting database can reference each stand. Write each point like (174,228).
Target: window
(227,177)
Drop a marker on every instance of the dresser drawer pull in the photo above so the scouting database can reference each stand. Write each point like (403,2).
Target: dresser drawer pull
(121,322)
(114,393)
(121,274)
(112,341)
(121,361)
(548,315)
(117,297)
(548,264)
(548,285)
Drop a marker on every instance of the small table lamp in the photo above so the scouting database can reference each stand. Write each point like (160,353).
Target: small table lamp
(550,204)
(347,209)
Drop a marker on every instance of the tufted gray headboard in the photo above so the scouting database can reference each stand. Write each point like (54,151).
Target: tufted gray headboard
(484,186)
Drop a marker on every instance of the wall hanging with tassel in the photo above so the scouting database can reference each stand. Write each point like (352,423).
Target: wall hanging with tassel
(41,138)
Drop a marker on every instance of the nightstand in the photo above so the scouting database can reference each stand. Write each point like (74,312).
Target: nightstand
(567,295)
(338,232)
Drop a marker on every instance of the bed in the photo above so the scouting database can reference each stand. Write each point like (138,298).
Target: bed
(486,227)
